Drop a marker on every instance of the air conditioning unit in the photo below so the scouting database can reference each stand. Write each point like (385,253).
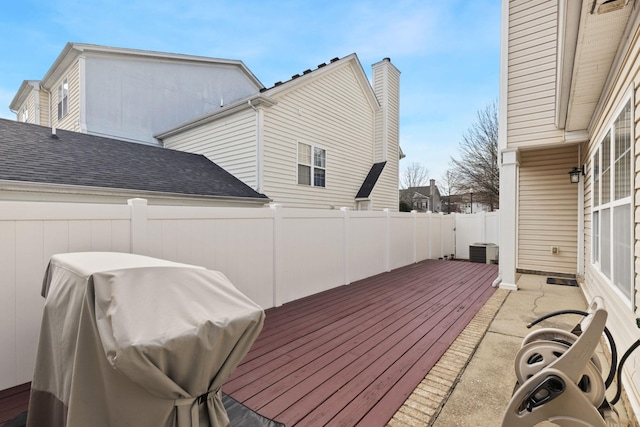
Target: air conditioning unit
(486,253)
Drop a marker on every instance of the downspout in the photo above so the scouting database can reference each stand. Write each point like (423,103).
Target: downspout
(496,282)
(259,146)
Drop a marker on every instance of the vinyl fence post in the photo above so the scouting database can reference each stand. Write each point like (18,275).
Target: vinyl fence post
(278,293)
(138,208)
(345,245)
(414,215)
(387,242)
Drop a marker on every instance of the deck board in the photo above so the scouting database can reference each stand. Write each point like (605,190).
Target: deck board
(353,354)
(350,355)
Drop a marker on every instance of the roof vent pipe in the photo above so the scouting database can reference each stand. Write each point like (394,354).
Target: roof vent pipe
(53,133)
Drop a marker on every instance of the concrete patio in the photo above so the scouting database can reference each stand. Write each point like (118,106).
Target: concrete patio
(472,383)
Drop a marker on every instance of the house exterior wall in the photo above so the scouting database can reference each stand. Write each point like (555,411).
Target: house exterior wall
(330,112)
(31,107)
(43,108)
(387,89)
(622,311)
(33,102)
(545,158)
(548,207)
(135,98)
(229,142)
(70,121)
(532,73)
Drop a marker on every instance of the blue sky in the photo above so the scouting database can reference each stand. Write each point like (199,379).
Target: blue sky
(447,51)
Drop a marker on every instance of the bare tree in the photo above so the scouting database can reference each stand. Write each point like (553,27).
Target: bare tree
(448,186)
(478,170)
(414,175)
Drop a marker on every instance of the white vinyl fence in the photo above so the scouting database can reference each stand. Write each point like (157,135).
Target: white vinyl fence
(272,255)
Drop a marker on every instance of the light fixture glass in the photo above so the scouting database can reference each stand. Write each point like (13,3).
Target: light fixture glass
(574,175)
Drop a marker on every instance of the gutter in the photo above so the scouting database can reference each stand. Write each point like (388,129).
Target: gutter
(62,189)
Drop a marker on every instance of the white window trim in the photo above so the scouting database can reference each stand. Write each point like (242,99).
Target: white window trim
(62,114)
(612,204)
(312,165)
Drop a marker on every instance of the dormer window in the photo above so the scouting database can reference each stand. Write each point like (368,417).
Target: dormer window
(25,114)
(63,99)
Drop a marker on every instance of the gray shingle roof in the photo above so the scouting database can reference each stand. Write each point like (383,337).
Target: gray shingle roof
(29,153)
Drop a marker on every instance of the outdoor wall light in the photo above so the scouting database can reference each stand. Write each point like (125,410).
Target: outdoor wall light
(574,174)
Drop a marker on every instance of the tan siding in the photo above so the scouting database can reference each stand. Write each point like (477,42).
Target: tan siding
(385,193)
(548,211)
(330,112)
(628,77)
(532,74)
(377,156)
(71,121)
(31,105)
(229,142)
(44,108)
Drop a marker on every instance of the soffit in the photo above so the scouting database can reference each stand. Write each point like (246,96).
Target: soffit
(599,36)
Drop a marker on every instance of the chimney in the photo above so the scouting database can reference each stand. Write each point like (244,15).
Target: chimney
(386,85)
(432,194)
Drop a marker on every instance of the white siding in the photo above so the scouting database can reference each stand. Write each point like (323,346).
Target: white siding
(229,142)
(548,211)
(532,73)
(331,112)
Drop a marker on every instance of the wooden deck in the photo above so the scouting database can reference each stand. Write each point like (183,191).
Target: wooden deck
(352,355)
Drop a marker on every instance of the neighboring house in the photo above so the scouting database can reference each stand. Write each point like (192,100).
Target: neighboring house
(424,198)
(325,139)
(36,165)
(569,99)
(129,94)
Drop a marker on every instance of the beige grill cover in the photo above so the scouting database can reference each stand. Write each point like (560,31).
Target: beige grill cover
(128,340)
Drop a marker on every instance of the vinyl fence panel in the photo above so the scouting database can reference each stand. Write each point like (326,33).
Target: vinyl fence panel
(272,255)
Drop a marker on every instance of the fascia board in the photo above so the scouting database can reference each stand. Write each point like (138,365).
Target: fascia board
(23,92)
(38,187)
(317,73)
(72,50)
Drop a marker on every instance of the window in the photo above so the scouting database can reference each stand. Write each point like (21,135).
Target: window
(612,230)
(25,114)
(311,165)
(63,99)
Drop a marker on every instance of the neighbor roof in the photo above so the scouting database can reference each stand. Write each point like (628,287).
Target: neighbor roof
(31,154)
